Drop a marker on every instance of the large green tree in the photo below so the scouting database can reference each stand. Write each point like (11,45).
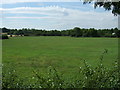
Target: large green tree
(77,32)
(107,5)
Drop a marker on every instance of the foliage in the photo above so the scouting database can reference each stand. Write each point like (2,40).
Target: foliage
(75,32)
(10,78)
(107,5)
(5,30)
(5,37)
(87,77)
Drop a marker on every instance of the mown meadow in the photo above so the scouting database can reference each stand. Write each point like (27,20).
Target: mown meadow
(27,55)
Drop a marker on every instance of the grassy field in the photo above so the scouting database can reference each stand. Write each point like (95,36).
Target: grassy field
(66,54)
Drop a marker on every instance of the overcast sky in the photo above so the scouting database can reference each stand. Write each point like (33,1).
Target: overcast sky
(52,14)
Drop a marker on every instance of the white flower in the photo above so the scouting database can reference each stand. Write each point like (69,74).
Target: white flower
(40,87)
(33,77)
(85,77)
(9,73)
(49,80)
(53,84)
(17,84)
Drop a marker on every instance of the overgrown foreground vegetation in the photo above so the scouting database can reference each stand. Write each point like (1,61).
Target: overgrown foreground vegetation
(87,77)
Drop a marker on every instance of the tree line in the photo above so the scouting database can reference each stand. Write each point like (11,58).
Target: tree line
(75,32)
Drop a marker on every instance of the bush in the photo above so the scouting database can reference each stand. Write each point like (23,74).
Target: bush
(5,37)
(87,77)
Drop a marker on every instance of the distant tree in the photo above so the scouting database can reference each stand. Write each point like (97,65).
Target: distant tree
(5,30)
(65,33)
(117,32)
(93,32)
(77,32)
(18,32)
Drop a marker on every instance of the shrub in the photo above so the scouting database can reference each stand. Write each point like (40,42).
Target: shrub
(5,37)
(87,77)
(10,78)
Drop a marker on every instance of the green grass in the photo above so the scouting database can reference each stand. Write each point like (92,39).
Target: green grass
(66,54)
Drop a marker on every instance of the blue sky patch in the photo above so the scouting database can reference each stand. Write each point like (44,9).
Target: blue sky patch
(55,15)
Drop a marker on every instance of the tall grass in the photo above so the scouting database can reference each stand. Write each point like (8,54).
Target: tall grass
(86,77)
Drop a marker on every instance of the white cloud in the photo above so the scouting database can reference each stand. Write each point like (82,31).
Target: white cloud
(22,1)
(30,17)
(51,10)
(63,18)
(92,5)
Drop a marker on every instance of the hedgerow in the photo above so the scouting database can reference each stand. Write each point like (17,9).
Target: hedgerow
(87,77)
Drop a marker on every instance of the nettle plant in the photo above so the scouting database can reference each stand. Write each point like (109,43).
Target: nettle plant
(87,77)
(10,78)
(100,76)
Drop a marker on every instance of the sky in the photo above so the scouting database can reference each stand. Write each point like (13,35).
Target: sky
(54,14)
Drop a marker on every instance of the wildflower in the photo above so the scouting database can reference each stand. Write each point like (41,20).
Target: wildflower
(53,84)
(40,87)
(33,77)
(111,80)
(9,73)
(49,80)
(17,84)
(13,70)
